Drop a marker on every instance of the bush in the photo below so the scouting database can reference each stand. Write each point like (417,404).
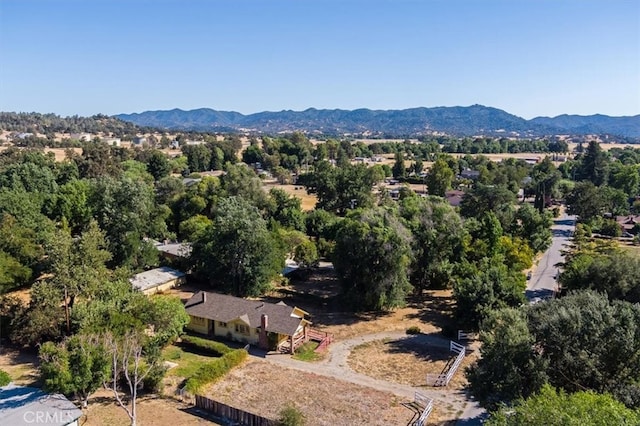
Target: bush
(291,416)
(153,382)
(214,370)
(414,329)
(206,345)
(5,379)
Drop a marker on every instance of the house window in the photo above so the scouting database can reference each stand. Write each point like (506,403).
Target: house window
(241,328)
(197,320)
(222,324)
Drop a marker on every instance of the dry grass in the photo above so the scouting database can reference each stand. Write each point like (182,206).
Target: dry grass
(308,201)
(151,410)
(405,361)
(264,389)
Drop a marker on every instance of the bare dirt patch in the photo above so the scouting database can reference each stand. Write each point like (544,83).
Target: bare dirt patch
(22,366)
(406,361)
(263,388)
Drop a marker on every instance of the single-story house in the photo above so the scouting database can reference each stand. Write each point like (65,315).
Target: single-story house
(21,405)
(156,280)
(172,249)
(269,326)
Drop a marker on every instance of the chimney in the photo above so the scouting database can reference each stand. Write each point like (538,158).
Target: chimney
(204,297)
(263,341)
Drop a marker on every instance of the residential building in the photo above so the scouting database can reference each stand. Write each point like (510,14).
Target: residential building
(266,325)
(157,280)
(21,405)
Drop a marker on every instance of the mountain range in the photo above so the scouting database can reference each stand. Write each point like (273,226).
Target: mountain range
(456,121)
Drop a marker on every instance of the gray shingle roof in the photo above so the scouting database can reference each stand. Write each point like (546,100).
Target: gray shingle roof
(223,308)
(20,405)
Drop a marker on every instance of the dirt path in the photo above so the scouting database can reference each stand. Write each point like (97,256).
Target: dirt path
(336,366)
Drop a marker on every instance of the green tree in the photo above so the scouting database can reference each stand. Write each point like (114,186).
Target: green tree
(158,165)
(372,258)
(240,181)
(237,254)
(486,287)
(586,201)
(126,211)
(545,177)
(593,166)
(285,209)
(485,198)
(439,178)
(578,342)
(590,343)
(615,273)
(77,366)
(557,408)
(398,169)
(533,226)
(438,236)
(340,189)
(626,178)
(198,157)
(509,368)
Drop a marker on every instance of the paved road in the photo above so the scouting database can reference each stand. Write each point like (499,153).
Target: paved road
(542,284)
(335,365)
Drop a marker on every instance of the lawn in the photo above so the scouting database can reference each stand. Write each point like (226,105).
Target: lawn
(188,362)
(307,352)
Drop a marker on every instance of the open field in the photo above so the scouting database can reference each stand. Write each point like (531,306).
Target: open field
(308,201)
(406,362)
(264,388)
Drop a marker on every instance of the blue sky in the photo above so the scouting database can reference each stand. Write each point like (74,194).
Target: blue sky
(528,57)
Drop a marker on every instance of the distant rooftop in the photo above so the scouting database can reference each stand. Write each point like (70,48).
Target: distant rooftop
(173,248)
(20,405)
(154,277)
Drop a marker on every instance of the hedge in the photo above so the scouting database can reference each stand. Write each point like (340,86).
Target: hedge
(214,370)
(206,345)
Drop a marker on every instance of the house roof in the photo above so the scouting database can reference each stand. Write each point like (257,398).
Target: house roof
(223,308)
(20,405)
(154,277)
(174,248)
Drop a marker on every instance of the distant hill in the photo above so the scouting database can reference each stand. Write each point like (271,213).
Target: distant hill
(593,124)
(460,121)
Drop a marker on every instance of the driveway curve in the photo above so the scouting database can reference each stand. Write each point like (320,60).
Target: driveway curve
(335,365)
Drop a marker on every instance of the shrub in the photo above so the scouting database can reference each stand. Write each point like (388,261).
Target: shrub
(290,415)
(5,379)
(414,329)
(214,370)
(206,345)
(152,383)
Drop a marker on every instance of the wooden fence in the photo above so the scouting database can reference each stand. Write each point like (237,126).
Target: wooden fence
(444,378)
(232,414)
(427,406)
(320,336)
